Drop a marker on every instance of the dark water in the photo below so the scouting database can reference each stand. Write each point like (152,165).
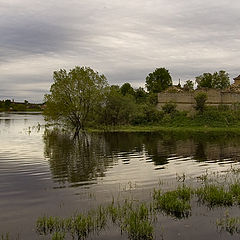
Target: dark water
(47,172)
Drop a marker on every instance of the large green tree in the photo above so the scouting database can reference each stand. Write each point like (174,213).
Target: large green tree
(74,95)
(219,80)
(126,88)
(159,80)
(118,109)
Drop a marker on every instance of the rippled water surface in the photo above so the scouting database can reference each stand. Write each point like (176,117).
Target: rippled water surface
(46,172)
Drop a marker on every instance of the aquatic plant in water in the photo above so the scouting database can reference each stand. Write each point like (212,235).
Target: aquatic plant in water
(136,219)
(175,203)
(229,224)
(214,195)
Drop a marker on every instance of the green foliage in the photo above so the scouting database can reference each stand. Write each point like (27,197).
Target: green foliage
(200,99)
(126,88)
(140,95)
(229,224)
(18,107)
(7,105)
(176,203)
(74,96)
(152,98)
(214,196)
(188,86)
(4,236)
(159,80)
(137,224)
(58,236)
(169,107)
(218,80)
(118,109)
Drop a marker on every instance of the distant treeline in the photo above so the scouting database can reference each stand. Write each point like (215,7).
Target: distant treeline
(8,105)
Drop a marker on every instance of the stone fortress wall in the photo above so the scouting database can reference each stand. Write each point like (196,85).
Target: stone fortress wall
(185,100)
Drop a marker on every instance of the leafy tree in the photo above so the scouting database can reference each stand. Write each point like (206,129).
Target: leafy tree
(118,109)
(219,80)
(126,88)
(205,80)
(200,99)
(7,104)
(152,99)
(188,86)
(74,95)
(159,80)
(140,95)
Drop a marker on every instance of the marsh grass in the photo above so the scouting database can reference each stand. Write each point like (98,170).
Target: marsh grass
(58,236)
(229,224)
(5,236)
(138,223)
(175,203)
(137,219)
(214,195)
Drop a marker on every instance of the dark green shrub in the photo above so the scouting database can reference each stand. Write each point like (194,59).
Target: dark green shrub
(169,107)
(200,99)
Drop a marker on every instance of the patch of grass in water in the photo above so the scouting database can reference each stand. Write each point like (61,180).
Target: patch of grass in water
(234,189)
(138,224)
(214,195)
(58,236)
(136,219)
(78,226)
(175,203)
(229,224)
(4,236)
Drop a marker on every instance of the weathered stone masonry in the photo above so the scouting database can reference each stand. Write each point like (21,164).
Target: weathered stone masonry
(185,100)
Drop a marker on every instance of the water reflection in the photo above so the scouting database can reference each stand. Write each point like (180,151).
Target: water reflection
(82,161)
(75,160)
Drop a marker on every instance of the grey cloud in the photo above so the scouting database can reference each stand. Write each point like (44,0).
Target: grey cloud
(125,40)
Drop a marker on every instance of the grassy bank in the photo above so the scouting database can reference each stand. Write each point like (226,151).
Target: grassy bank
(212,120)
(167,129)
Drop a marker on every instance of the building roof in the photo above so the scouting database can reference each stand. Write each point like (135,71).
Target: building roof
(237,78)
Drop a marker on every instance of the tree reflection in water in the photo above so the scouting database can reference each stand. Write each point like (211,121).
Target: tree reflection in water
(82,160)
(75,160)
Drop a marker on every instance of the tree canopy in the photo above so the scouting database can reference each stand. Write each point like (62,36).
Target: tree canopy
(219,80)
(126,88)
(188,86)
(159,80)
(74,95)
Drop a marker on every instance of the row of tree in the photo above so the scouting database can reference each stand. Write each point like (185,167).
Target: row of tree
(8,105)
(160,80)
(83,97)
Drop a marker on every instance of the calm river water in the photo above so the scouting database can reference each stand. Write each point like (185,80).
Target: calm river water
(44,172)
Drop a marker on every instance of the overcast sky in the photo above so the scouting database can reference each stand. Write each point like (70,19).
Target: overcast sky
(125,40)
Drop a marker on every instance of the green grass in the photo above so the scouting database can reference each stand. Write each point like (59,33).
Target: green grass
(175,203)
(214,195)
(229,224)
(233,131)
(5,236)
(137,223)
(58,236)
(136,219)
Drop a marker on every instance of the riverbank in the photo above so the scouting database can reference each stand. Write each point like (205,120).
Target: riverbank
(167,129)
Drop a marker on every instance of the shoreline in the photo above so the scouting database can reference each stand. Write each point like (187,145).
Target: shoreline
(167,129)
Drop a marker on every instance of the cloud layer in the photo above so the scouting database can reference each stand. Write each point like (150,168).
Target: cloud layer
(125,40)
